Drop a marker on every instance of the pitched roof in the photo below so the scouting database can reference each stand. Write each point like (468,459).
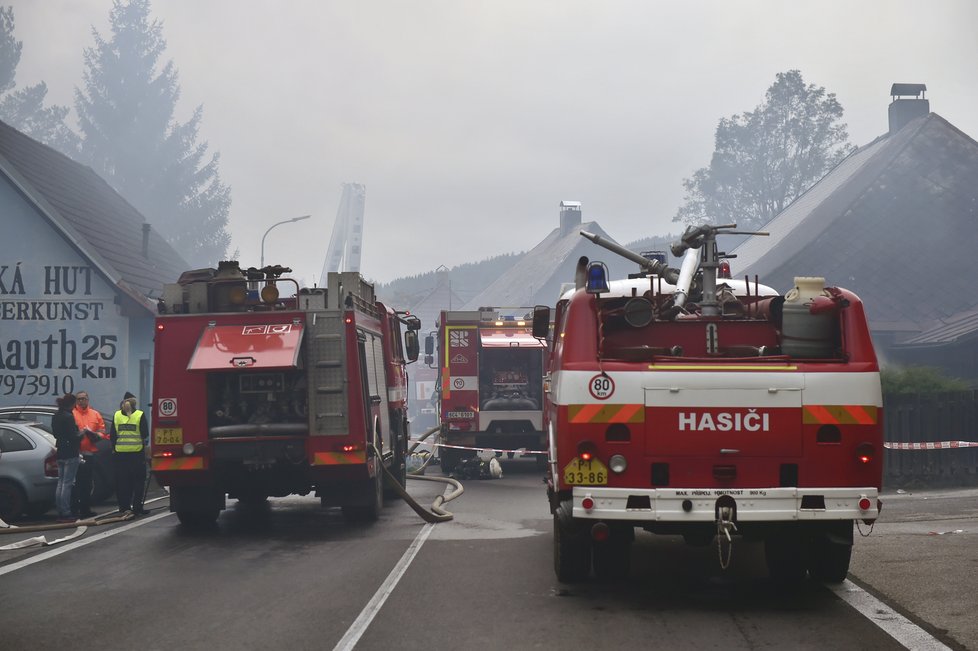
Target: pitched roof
(536,278)
(893,222)
(91,216)
(957,327)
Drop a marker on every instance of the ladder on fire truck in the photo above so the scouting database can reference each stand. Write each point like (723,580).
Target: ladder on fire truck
(346,240)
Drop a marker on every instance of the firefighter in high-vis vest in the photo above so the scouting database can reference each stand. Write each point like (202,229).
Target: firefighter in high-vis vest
(130,439)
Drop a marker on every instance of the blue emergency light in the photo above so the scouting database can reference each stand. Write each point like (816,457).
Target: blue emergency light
(597,278)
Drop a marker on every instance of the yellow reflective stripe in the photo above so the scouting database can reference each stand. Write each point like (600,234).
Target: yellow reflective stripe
(339,458)
(178,463)
(840,414)
(601,413)
(720,367)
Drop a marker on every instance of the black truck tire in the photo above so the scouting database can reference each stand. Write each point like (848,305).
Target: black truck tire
(572,550)
(830,552)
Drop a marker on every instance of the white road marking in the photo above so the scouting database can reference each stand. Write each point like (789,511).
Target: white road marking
(357,629)
(7,569)
(893,623)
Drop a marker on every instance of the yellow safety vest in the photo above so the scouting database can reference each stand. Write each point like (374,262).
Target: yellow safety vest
(127,432)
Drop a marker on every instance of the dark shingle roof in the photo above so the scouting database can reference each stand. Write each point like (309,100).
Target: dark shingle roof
(92,216)
(894,222)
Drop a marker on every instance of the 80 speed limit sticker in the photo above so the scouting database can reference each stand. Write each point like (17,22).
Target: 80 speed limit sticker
(167,407)
(601,386)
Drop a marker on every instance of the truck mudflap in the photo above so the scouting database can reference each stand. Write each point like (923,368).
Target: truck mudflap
(683,505)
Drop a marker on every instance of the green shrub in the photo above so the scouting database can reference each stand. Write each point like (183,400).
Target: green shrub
(919,379)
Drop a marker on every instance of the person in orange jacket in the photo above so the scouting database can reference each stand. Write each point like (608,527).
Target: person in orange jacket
(92,426)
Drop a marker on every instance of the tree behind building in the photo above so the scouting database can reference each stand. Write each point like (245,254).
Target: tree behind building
(766,158)
(130,137)
(24,109)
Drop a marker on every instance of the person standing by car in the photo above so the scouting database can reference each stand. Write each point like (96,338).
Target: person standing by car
(92,426)
(66,433)
(129,433)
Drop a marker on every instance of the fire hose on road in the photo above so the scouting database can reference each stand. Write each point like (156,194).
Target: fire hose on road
(80,527)
(436,512)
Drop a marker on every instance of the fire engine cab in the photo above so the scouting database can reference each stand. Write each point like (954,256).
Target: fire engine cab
(681,401)
(263,388)
(491,383)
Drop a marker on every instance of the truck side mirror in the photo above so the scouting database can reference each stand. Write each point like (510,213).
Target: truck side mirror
(411,345)
(541,321)
(429,345)
(429,360)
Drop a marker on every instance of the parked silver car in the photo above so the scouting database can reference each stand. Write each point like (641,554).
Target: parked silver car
(28,469)
(103,477)
(41,414)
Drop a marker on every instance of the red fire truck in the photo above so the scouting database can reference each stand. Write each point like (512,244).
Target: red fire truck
(680,402)
(490,374)
(262,392)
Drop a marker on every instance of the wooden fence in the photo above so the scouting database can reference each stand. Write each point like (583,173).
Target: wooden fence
(930,418)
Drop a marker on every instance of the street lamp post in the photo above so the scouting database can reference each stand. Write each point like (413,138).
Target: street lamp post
(294,219)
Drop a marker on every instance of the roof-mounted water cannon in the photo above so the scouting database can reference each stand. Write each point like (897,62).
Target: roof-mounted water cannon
(647,265)
(273,272)
(698,246)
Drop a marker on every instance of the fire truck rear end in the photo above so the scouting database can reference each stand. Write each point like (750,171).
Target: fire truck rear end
(491,383)
(683,403)
(258,394)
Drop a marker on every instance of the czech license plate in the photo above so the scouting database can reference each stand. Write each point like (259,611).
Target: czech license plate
(168,436)
(585,473)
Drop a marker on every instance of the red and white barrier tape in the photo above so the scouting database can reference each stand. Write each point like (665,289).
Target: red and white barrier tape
(462,447)
(889,445)
(931,445)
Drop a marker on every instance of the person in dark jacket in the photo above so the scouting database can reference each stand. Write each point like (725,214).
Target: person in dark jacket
(129,433)
(69,440)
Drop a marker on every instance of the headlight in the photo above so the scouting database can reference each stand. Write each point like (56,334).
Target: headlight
(188,448)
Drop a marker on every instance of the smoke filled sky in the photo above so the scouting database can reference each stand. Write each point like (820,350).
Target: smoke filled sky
(469,121)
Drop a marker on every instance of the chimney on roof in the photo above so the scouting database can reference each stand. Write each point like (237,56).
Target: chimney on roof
(908,104)
(145,240)
(570,216)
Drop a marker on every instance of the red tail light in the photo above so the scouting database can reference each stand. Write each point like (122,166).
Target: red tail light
(51,464)
(865,504)
(586,450)
(865,452)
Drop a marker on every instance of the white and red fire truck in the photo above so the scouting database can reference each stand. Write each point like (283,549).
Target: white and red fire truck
(490,378)
(683,403)
(262,392)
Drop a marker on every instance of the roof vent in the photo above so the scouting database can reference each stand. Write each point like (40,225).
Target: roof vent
(908,104)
